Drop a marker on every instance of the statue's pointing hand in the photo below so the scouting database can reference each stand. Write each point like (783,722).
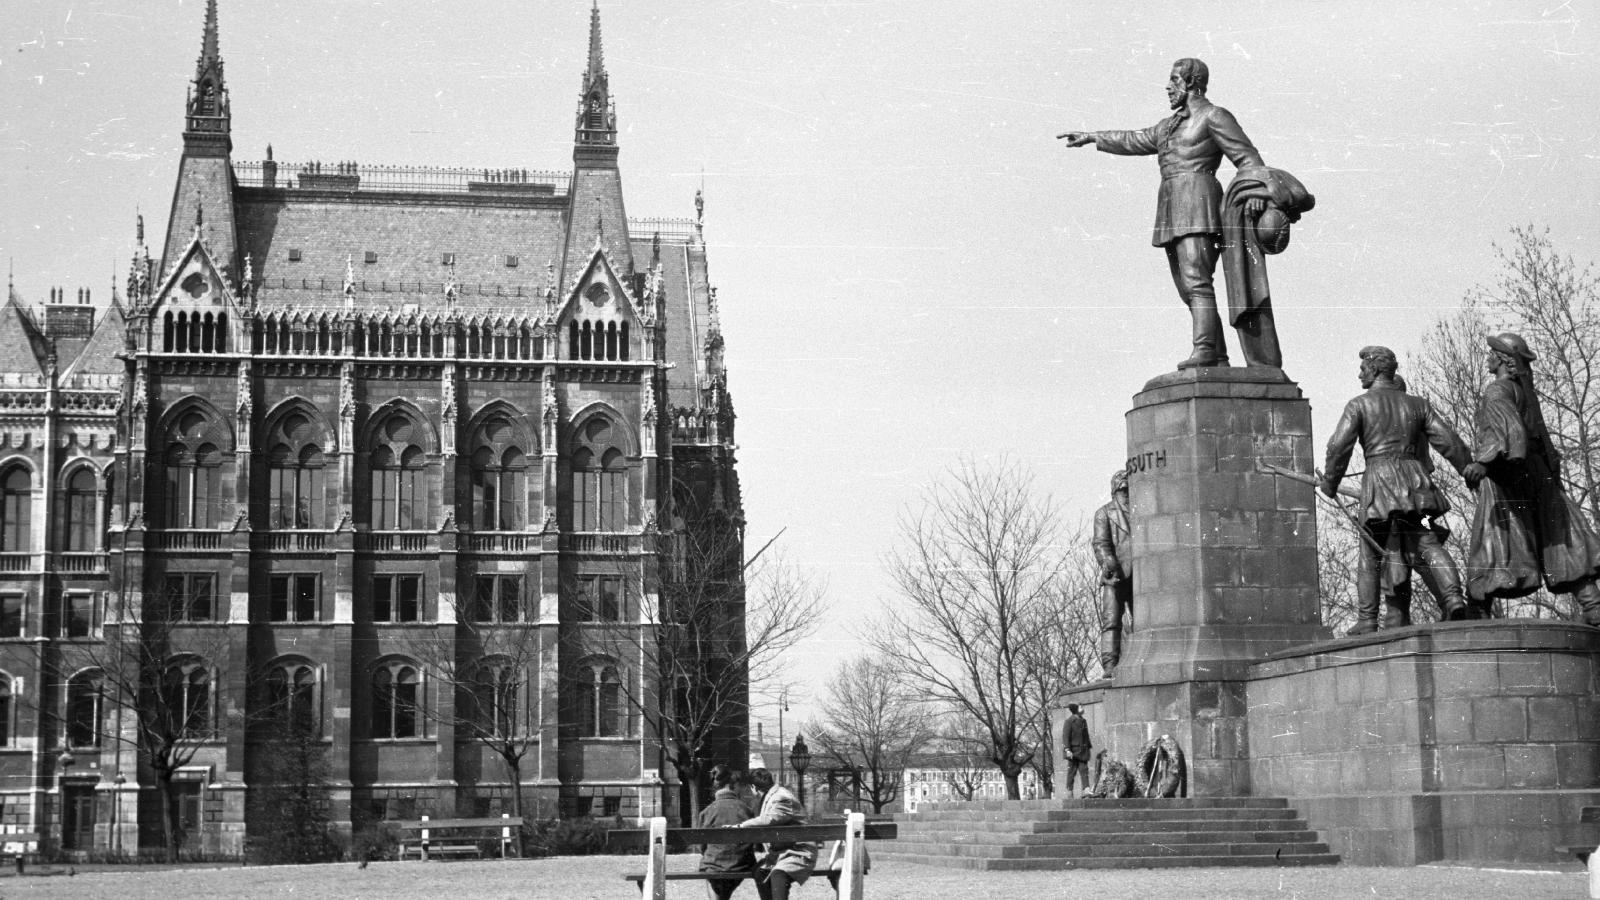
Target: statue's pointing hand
(1076,138)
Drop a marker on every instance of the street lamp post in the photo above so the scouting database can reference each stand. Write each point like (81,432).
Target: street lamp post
(800,758)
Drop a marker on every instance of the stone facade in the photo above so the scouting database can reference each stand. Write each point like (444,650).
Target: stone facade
(361,445)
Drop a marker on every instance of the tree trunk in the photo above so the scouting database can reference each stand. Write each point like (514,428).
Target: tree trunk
(1013,789)
(514,772)
(171,826)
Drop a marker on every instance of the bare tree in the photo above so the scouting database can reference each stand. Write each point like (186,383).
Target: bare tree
(720,630)
(977,569)
(156,684)
(873,725)
(490,664)
(962,752)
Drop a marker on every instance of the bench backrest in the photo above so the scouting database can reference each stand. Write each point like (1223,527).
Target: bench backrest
(419,824)
(639,839)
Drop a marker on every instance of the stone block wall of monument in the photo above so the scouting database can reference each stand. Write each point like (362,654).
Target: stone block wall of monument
(354,426)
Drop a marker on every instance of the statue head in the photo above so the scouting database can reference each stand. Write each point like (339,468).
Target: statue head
(1119,482)
(1188,75)
(1377,362)
(1510,350)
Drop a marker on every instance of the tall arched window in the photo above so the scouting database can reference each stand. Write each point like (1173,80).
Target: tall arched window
(599,699)
(16,510)
(599,479)
(399,501)
(499,477)
(85,709)
(496,689)
(186,697)
(7,732)
(296,473)
(194,473)
(78,523)
(396,700)
(292,697)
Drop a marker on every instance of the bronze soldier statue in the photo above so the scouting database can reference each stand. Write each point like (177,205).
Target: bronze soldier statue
(1397,491)
(1191,213)
(1526,526)
(1113,549)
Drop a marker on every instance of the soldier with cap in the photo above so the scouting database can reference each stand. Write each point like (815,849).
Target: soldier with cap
(1113,550)
(1397,491)
(1526,527)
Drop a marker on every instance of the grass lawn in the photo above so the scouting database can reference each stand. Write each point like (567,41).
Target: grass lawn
(577,878)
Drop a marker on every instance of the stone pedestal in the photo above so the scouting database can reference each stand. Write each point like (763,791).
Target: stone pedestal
(1224,555)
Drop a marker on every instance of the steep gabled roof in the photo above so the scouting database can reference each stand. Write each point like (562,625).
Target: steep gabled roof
(99,356)
(22,348)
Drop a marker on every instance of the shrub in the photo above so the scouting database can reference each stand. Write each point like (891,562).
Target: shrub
(585,836)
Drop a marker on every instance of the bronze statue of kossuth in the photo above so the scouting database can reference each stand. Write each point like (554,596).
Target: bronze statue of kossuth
(1193,216)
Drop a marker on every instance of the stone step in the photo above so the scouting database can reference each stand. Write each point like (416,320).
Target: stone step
(1120,862)
(1100,814)
(1108,849)
(1230,836)
(1099,827)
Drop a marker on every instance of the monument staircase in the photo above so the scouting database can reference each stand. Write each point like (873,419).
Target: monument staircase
(1107,834)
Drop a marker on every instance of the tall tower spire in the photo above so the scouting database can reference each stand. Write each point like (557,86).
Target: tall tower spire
(596,215)
(204,176)
(209,119)
(597,117)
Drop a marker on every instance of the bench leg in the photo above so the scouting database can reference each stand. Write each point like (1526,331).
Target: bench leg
(654,885)
(855,845)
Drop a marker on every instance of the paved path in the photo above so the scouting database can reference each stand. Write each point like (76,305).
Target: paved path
(599,877)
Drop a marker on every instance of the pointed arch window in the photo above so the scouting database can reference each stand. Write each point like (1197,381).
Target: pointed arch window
(396,700)
(500,470)
(85,709)
(600,699)
(78,520)
(296,470)
(599,479)
(399,501)
(186,698)
(496,690)
(16,510)
(194,473)
(292,697)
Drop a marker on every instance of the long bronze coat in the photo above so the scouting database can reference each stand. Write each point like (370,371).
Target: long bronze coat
(1525,525)
(1189,145)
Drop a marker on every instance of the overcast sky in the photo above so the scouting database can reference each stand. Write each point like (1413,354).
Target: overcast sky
(911,267)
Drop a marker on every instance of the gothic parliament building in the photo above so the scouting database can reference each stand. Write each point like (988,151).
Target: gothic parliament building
(356,441)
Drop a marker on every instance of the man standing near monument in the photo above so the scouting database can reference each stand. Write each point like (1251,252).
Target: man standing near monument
(1113,550)
(1397,491)
(1075,749)
(1526,526)
(1190,144)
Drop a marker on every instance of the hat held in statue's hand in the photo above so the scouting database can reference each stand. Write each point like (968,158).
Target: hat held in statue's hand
(1511,343)
(1272,230)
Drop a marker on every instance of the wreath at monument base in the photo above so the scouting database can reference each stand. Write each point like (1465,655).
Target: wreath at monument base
(1161,771)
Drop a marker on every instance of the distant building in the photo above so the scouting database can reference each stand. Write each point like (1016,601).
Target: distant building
(348,411)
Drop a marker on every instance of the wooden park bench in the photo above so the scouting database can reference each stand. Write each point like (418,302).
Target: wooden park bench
(18,844)
(428,837)
(1589,816)
(855,832)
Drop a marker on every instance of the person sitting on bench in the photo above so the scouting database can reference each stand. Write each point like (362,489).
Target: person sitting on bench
(727,809)
(781,864)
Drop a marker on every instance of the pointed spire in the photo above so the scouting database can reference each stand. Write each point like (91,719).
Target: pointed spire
(208,44)
(208,119)
(597,63)
(597,118)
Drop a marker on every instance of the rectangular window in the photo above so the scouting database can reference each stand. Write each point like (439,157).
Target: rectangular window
(599,599)
(188,797)
(191,596)
(11,615)
(585,487)
(511,262)
(294,254)
(612,806)
(372,256)
(293,598)
(448,259)
(397,598)
(497,598)
(77,614)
